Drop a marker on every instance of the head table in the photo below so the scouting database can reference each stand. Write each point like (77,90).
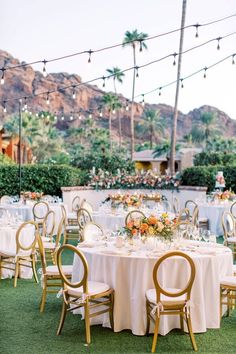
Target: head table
(129,272)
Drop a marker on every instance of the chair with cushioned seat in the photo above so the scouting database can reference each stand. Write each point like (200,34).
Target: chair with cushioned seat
(170,301)
(84,293)
(193,208)
(92,231)
(50,276)
(228,225)
(40,210)
(227,293)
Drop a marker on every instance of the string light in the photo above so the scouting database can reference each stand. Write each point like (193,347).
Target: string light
(74,93)
(4,107)
(79,116)
(182,85)
(55,117)
(143,101)
(233,62)
(37,114)
(196,27)
(90,116)
(3,76)
(44,68)
(42,115)
(205,69)
(160,88)
(140,45)
(174,55)
(47,99)
(104,81)
(62,118)
(89,53)
(136,68)
(127,105)
(218,45)
(25,104)
(71,118)
(100,113)
(113,111)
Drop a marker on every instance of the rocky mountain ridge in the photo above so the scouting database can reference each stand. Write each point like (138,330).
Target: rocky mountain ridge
(25,81)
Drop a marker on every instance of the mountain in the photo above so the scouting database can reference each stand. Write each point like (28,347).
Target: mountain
(25,81)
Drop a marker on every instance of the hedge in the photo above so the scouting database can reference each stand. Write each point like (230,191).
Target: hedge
(205,176)
(37,178)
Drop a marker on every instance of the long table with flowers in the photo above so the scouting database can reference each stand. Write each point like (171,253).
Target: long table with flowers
(128,270)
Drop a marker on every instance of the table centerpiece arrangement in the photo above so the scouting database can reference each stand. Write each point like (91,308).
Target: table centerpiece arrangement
(153,226)
(32,196)
(126,200)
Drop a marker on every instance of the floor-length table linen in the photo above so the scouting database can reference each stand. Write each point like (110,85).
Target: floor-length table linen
(131,275)
(214,212)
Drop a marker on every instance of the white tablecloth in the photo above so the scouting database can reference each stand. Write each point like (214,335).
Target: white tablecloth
(26,211)
(8,243)
(214,212)
(131,275)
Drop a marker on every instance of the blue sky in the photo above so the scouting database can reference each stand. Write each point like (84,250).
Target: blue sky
(44,29)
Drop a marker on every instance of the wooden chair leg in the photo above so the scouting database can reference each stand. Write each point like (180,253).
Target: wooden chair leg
(154,341)
(62,319)
(34,268)
(111,311)
(16,273)
(181,322)
(43,299)
(148,318)
(87,322)
(189,324)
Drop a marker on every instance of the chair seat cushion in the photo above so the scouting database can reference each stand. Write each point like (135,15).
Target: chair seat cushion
(151,296)
(94,288)
(72,227)
(203,220)
(49,245)
(231,239)
(234,268)
(5,253)
(72,216)
(228,281)
(53,270)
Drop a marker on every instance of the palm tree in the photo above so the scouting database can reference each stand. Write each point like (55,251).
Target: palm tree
(132,39)
(208,120)
(175,115)
(112,102)
(117,75)
(152,124)
(164,149)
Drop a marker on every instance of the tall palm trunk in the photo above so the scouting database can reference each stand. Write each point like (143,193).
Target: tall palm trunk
(175,115)
(132,106)
(110,130)
(118,115)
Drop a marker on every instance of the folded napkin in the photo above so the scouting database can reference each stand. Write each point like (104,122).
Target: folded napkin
(113,251)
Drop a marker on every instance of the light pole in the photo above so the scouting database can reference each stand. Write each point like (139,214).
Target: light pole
(19,150)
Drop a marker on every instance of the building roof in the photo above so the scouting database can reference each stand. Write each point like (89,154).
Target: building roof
(147,155)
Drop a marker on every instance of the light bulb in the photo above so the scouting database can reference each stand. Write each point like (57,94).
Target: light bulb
(47,99)
(71,117)
(100,114)
(4,107)
(90,116)
(44,68)
(62,118)
(74,94)
(2,78)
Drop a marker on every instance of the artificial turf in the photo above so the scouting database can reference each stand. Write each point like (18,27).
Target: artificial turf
(24,330)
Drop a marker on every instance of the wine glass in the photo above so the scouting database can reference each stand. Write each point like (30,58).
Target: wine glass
(206,235)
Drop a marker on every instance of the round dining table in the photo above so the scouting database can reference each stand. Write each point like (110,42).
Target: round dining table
(129,272)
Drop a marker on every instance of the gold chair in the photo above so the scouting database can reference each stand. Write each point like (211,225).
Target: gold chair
(169,301)
(183,215)
(135,215)
(228,293)
(184,227)
(48,226)
(92,231)
(71,232)
(72,217)
(175,205)
(40,210)
(86,205)
(228,225)
(84,294)
(25,252)
(51,279)
(51,247)
(201,221)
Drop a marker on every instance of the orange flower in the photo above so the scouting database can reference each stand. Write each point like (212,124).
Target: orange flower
(137,223)
(134,232)
(152,220)
(130,224)
(144,227)
(167,222)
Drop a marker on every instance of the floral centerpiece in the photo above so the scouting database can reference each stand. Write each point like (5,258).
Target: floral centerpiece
(226,195)
(35,196)
(156,197)
(151,226)
(126,200)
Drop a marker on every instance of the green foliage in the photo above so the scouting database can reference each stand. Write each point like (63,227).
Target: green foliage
(6,160)
(205,176)
(164,149)
(37,178)
(205,158)
(105,162)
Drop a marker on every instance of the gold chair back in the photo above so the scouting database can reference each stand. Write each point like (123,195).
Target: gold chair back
(76,203)
(40,210)
(188,287)
(49,224)
(228,225)
(175,205)
(183,227)
(190,205)
(233,209)
(195,216)
(20,245)
(83,216)
(67,282)
(134,214)
(184,214)
(92,231)
(86,205)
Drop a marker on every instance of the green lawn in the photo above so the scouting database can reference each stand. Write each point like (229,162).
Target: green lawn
(24,330)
